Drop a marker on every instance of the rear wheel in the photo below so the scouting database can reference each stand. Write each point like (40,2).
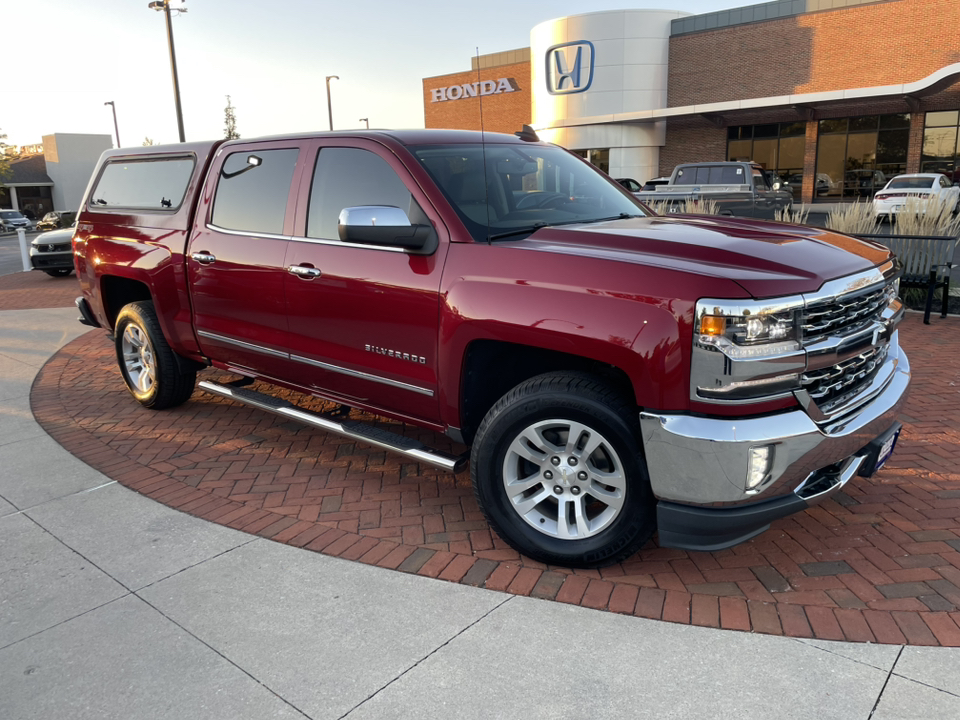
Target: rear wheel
(147,362)
(558,470)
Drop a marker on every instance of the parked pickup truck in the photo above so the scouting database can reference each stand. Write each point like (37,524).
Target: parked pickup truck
(613,372)
(740,189)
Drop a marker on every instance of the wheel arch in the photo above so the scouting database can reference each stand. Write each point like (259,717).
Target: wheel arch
(117,292)
(491,368)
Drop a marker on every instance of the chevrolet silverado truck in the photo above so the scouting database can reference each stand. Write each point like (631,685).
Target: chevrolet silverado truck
(613,372)
(738,189)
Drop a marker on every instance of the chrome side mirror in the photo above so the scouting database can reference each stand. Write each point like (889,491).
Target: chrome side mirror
(381,225)
(374,216)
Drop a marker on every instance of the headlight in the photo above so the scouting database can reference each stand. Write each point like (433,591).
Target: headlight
(893,289)
(744,330)
(745,350)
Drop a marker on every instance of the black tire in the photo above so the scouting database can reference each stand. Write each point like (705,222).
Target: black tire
(546,401)
(59,272)
(168,386)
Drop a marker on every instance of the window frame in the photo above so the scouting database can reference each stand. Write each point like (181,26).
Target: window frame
(314,165)
(139,209)
(413,177)
(215,176)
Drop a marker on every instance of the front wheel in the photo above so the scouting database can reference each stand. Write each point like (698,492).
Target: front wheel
(559,473)
(147,362)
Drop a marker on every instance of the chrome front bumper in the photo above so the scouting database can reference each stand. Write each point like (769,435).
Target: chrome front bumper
(702,462)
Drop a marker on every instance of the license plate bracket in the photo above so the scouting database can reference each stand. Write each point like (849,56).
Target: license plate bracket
(879,451)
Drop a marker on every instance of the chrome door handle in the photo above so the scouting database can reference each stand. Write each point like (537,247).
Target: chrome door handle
(204,258)
(307,273)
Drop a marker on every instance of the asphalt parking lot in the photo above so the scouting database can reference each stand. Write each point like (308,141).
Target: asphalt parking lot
(10,252)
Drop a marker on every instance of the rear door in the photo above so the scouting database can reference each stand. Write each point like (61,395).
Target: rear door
(363,320)
(235,256)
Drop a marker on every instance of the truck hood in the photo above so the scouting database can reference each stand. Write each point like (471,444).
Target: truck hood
(767,259)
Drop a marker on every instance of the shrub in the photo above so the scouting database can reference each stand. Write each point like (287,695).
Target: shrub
(927,216)
(856,218)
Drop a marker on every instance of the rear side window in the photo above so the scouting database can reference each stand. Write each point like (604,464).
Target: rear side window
(351,177)
(149,185)
(726,175)
(253,189)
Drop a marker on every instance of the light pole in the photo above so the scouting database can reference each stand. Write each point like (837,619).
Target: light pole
(165,6)
(116,128)
(367,121)
(329,106)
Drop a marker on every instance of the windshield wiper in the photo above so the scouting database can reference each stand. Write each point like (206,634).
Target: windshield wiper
(519,231)
(537,226)
(621,216)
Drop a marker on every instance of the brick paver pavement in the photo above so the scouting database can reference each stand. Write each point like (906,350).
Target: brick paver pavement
(879,562)
(33,290)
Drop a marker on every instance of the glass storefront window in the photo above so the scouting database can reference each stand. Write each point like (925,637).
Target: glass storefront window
(939,152)
(867,122)
(834,125)
(857,156)
(831,151)
(897,120)
(777,148)
(740,150)
(942,119)
(793,129)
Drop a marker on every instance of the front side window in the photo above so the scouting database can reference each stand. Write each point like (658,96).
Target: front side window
(146,185)
(252,191)
(508,190)
(351,177)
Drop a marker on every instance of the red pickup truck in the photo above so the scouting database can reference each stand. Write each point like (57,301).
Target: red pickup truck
(614,372)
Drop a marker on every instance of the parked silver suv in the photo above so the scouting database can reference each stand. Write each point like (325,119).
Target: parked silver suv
(13,219)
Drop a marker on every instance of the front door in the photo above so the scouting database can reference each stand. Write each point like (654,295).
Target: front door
(235,257)
(363,320)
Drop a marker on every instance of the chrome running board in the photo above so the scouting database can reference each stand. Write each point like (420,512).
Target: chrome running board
(352,429)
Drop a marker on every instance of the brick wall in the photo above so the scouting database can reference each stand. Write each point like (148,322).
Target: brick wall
(692,139)
(809,161)
(504,112)
(884,43)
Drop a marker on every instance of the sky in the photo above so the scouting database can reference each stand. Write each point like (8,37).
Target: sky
(68,57)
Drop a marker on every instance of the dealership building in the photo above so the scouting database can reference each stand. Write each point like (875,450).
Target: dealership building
(832,96)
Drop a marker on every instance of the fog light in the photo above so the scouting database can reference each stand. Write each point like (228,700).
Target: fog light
(758,467)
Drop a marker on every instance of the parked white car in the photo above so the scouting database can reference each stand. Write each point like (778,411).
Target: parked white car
(923,186)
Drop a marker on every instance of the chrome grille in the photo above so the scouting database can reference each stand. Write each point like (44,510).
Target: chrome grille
(833,385)
(844,314)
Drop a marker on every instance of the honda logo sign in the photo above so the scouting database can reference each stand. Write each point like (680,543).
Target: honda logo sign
(570,67)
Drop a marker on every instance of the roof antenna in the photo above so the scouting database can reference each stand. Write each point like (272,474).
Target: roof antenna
(483,146)
(528,134)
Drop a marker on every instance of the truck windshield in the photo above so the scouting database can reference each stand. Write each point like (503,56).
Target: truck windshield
(508,190)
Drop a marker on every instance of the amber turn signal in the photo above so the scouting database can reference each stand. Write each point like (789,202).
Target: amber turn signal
(713,325)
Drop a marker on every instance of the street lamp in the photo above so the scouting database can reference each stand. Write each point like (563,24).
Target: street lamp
(367,121)
(329,106)
(164,5)
(116,128)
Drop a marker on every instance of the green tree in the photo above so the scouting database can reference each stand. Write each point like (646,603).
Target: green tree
(230,122)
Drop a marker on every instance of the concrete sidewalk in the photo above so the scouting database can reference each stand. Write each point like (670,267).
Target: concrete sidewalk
(113,606)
